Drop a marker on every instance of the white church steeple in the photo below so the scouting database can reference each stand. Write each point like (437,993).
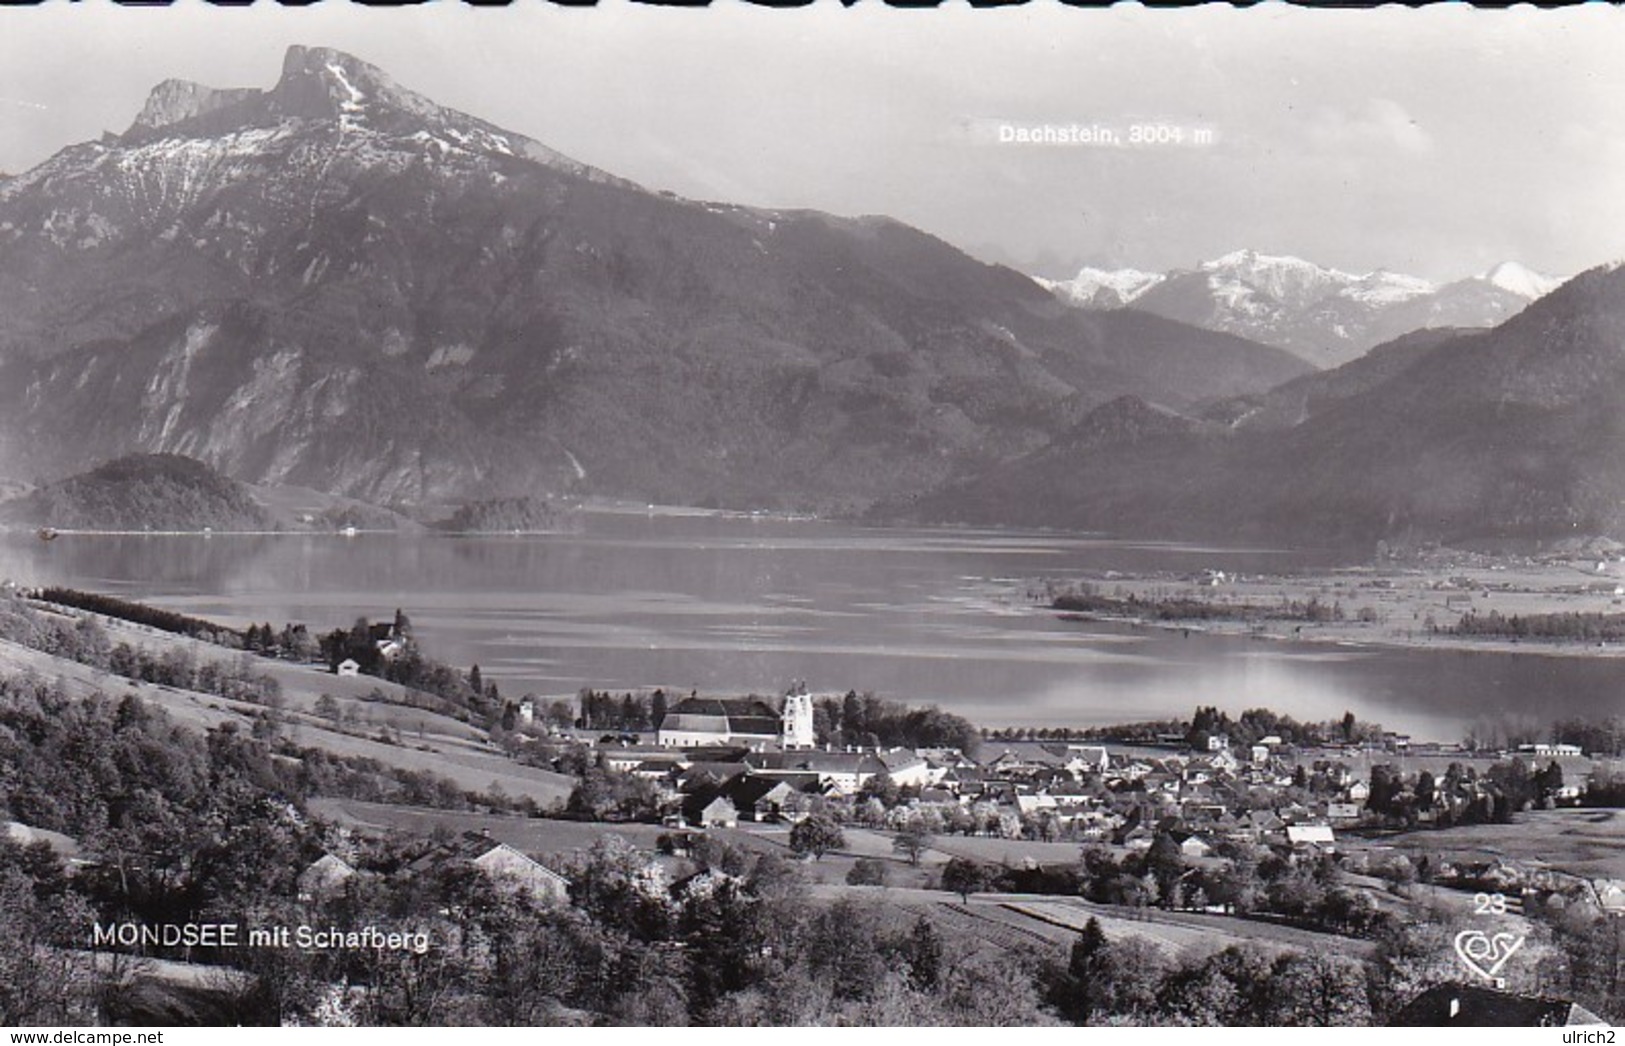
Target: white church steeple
(796,729)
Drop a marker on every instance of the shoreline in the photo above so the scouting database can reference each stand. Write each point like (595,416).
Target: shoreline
(1437,641)
(1399,606)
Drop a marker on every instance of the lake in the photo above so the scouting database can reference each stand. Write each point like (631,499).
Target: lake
(726,604)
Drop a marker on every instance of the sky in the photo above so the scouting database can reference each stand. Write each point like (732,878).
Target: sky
(1436,142)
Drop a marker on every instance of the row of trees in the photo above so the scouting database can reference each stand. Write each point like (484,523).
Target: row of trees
(1570,626)
(293,643)
(1249,881)
(86,642)
(1462,795)
(628,713)
(142,614)
(1250,727)
(1088,599)
(1601,736)
(870,721)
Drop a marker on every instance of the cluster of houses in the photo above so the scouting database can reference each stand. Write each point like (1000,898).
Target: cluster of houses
(720,762)
(717,763)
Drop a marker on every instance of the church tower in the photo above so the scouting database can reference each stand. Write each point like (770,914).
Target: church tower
(796,730)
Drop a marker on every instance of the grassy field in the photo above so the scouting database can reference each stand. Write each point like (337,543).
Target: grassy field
(533,835)
(545,836)
(1007,851)
(1398,601)
(429,742)
(1588,843)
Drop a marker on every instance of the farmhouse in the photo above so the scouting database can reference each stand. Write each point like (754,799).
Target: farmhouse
(709,808)
(502,863)
(324,879)
(1309,835)
(1469,1006)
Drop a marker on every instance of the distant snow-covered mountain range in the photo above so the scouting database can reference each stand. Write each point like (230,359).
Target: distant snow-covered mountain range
(1325,316)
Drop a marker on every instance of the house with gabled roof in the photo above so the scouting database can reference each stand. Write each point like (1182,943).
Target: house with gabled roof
(758,798)
(1310,836)
(1092,759)
(1031,804)
(1195,846)
(1019,756)
(324,879)
(709,808)
(505,865)
(905,768)
(1454,1005)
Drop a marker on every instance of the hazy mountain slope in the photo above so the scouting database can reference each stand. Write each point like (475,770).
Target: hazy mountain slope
(1512,433)
(337,284)
(1294,402)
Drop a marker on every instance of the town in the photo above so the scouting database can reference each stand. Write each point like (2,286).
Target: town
(734,842)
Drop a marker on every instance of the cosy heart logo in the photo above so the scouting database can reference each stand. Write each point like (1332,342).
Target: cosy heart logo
(1485,955)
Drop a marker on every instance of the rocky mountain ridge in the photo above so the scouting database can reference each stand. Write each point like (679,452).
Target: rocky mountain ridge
(335,283)
(1325,316)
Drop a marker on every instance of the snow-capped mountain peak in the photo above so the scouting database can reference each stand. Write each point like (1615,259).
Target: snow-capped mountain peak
(321,87)
(1103,288)
(1325,315)
(1522,280)
(1252,262)
(1381,287)
(1242,275)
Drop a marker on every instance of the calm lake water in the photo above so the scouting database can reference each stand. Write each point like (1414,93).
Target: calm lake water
(725,604)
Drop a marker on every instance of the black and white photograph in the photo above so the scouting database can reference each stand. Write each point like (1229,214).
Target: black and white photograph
(637,516)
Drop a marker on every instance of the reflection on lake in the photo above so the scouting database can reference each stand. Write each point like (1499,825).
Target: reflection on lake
(734,604)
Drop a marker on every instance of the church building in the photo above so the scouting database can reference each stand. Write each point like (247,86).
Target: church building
(696,722)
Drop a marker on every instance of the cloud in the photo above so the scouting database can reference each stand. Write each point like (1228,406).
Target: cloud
(1380,124)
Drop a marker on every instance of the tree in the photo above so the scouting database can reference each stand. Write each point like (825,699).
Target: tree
(1548,782)
(964,877)
(852,720)
(816,834)
(867,871)
(913,841)
(1081,991)
(923,953)
(1319,990)
(475,683)
(41,980)
(1133,972)
(328,708)
(1166,864)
